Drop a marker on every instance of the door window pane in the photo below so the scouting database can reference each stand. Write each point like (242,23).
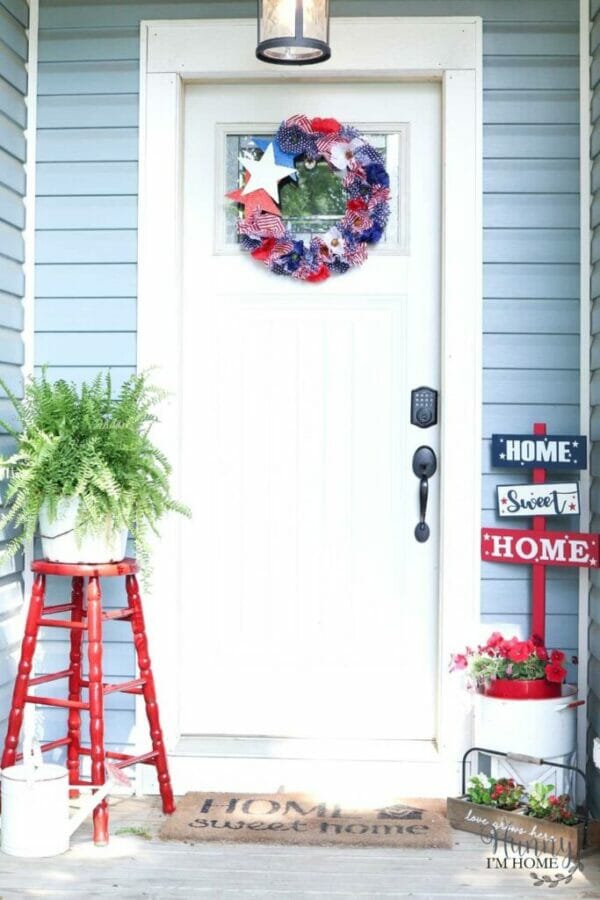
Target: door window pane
(317,200)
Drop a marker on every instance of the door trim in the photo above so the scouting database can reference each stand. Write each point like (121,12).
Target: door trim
(445,49)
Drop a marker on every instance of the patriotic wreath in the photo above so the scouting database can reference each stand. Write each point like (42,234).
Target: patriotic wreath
(350,157)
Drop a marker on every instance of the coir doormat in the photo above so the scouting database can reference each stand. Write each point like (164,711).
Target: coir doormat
(299,819)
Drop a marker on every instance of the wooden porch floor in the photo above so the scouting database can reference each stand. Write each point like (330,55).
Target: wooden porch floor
(133,867)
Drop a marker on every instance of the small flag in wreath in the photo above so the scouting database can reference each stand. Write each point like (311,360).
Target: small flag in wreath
(351,158)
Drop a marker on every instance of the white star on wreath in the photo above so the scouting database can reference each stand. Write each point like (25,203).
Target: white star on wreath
(265,173)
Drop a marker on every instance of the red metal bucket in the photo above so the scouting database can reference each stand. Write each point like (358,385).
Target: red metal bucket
(522,689)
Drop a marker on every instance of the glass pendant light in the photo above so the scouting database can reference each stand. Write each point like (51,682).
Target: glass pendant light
(293,32)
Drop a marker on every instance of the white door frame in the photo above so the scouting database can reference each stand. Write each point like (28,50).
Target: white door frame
(391,49)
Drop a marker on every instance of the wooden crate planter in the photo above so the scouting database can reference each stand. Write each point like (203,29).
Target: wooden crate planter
(515,827)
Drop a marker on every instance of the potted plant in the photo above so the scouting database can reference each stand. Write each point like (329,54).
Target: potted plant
(521,704)
(513,669)
(543,803)
(504,807)
(85,467)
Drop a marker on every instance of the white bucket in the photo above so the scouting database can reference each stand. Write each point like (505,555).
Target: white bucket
(35,811)
(541,728)
(562,780)
(61,544)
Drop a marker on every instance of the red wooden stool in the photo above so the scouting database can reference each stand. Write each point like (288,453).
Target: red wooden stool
(88,618)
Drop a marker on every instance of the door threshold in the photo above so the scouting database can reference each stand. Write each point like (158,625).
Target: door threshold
(325,749)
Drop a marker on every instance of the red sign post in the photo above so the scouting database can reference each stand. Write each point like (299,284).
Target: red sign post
(538,606)
(537,547)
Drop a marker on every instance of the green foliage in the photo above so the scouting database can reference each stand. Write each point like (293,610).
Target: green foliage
(136,831)
(484,668)
(503,793)
(538,799)
(318,192)
(91,445)
(543,804)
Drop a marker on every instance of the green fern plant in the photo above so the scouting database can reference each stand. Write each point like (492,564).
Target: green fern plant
(90,445)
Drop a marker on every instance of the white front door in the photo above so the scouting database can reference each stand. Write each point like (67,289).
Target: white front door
(309,611)
(299,633)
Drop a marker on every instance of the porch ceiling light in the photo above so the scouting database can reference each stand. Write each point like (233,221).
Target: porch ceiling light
(293,32)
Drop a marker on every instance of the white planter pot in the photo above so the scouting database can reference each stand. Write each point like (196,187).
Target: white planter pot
(61,544)
(545,729)
(542,728)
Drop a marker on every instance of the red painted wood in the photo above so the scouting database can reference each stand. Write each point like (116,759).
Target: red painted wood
(551,548)
(61,623)
(117,614)
(15,719)
(88,619)
(538,575)
(143,657)
(96,701)
(51,745)
(74,719)
(124,567)
(59,702)
(44,679)
(62,607)
(134,760)
(126,687)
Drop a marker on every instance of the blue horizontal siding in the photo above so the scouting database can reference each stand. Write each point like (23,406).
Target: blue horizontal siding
(86,215)
(594,668)
(13,120)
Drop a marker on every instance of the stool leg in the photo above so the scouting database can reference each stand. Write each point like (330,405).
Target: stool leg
(149,692)
(74,718)
(15,719)
(96,700)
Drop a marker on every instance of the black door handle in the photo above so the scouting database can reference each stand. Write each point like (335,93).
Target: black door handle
(424,466)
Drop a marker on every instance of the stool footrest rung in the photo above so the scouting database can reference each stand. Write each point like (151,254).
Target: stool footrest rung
(61,607)
(51,745)
(125,687)
(147,758)
(122,760)
(61,623)
(56,701)
(124,613)
(54,676)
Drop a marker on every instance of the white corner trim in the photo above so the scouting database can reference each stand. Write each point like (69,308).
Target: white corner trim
(29,232)
(448,50)
(30,169)
(584,365)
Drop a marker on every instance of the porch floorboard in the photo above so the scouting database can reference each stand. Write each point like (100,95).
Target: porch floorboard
(134,867)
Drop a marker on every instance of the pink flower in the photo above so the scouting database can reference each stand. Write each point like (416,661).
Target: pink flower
(505,646)
(459,661)
(495,640)
(519,652)
(555,673)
